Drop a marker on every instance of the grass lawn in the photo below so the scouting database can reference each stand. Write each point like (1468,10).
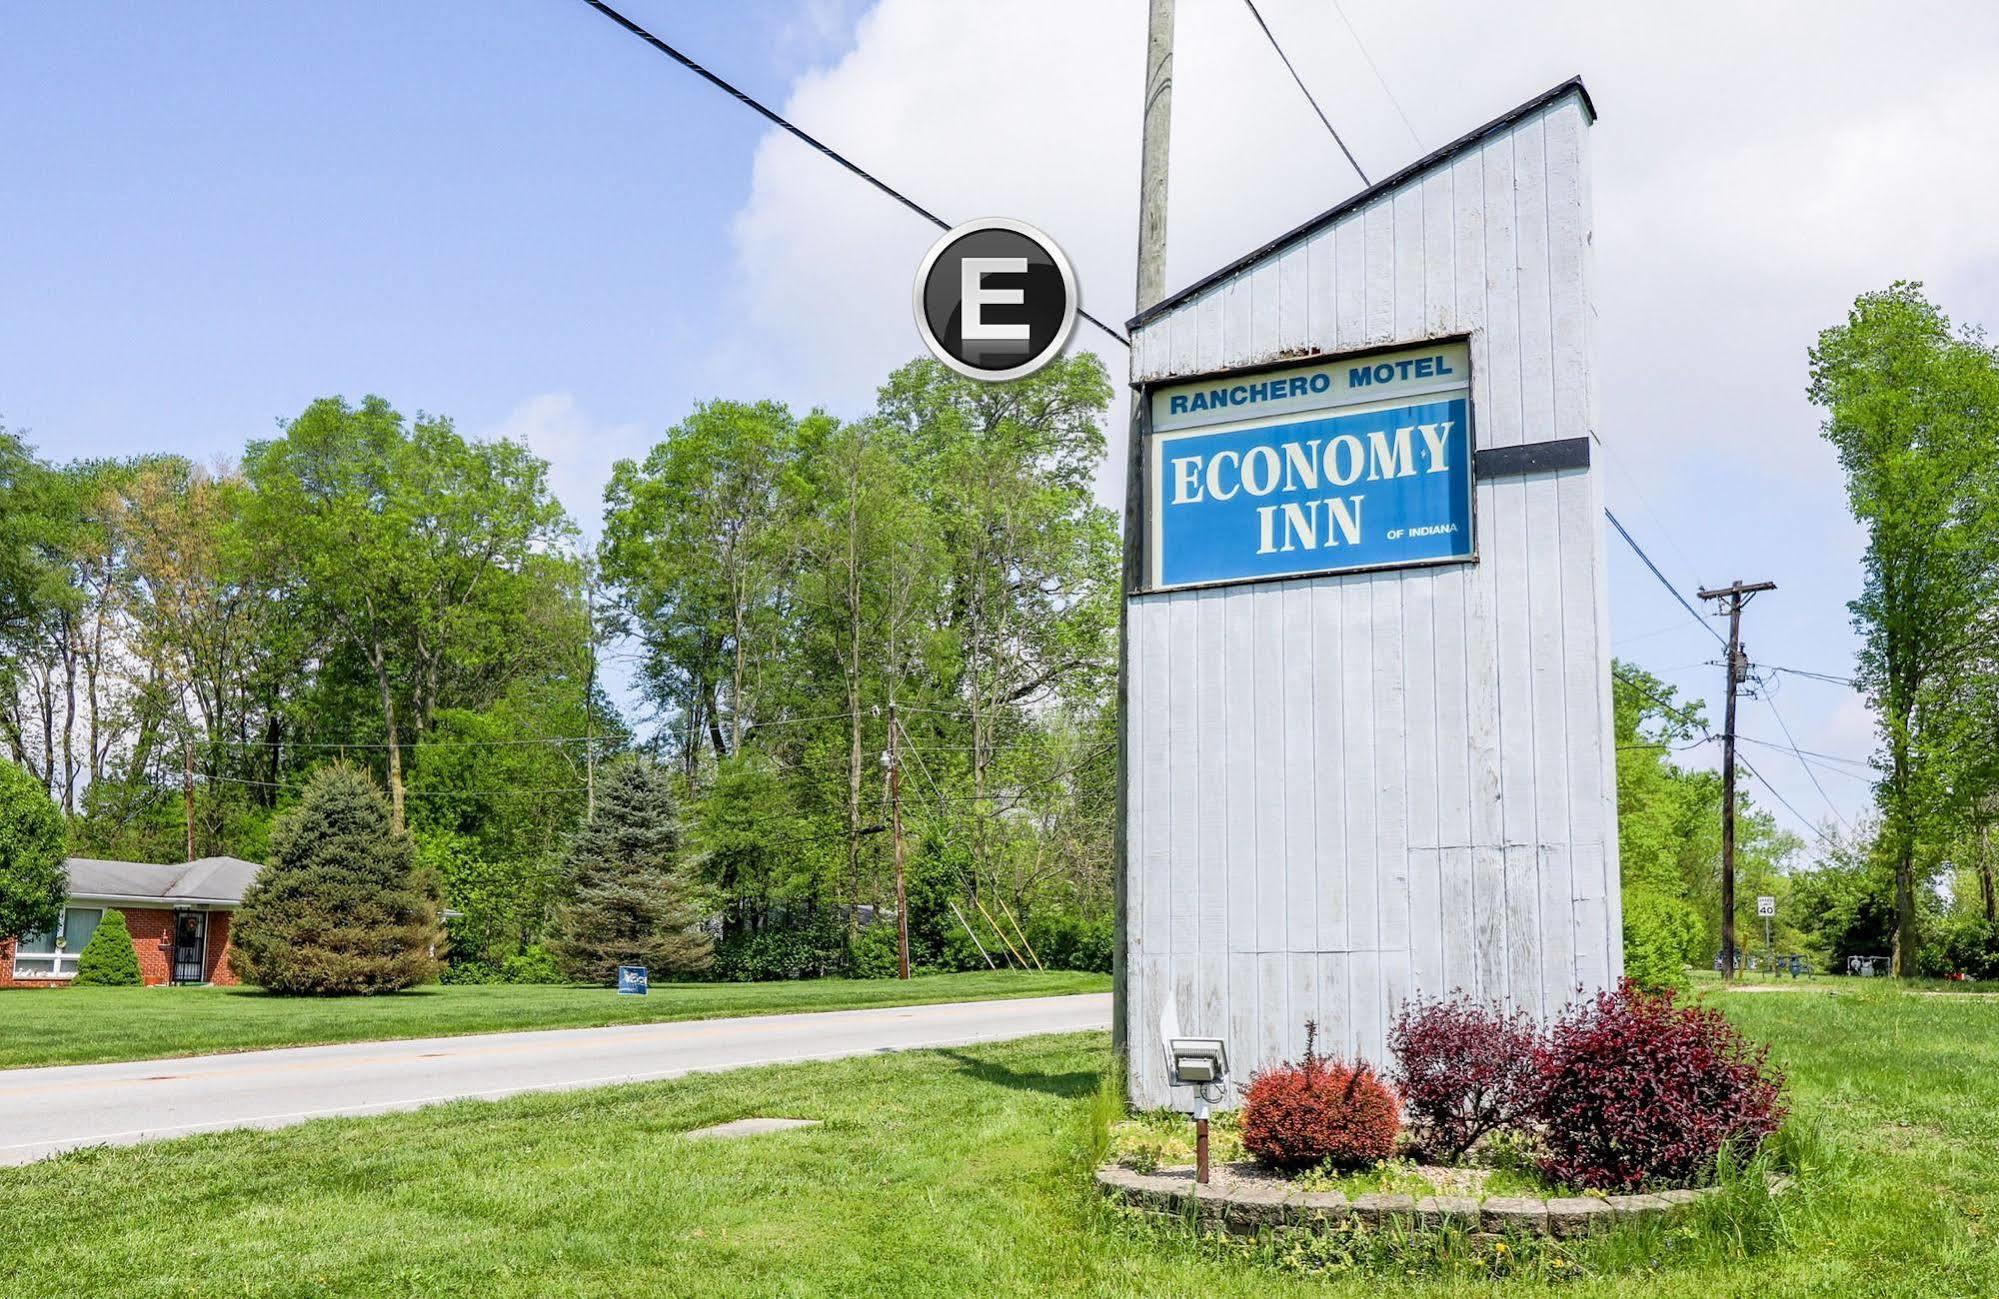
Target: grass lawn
(964,1172)
(81,1025)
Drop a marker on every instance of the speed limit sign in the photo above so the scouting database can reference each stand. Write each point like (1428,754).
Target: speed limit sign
(1766,906)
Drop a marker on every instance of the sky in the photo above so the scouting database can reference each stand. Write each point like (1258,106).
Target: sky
(517,215)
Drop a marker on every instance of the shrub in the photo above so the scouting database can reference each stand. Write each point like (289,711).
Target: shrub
(1642,1092)
(108,960)
(33,879)
(339,908)
(1464,1069)
(808,948)
(1662,935)
(1319,1111)
(876,951)
(1065,940)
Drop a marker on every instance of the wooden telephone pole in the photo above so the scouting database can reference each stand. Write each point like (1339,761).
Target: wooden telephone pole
(1735,597)
(895,820)
(187,791)
(1157,114)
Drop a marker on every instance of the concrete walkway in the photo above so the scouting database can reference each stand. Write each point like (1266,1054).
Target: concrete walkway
(44,1111)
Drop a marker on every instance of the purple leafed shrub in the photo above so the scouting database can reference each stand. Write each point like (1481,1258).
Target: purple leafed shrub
(1465,1068)
(1639,1091)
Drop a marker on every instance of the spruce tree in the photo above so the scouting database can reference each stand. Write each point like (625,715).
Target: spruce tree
(339,908)
(630,903)
(108,960)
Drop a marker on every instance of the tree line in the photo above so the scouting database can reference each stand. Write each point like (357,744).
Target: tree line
(794,596)
(376,592)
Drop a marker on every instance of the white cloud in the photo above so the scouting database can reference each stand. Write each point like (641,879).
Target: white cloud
(1755,167)
(580,451)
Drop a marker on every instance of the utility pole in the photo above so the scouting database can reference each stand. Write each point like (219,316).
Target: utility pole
(1734,596)
(1158,119)
(895,820)
(187,791)
(590,705)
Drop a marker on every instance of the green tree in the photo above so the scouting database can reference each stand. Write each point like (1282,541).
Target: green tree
(422,551)
(108,959)
(1912,407)
(33,880)
(697,542)
(632,905)
(339,908)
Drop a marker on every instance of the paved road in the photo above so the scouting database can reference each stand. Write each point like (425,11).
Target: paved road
(43,1111)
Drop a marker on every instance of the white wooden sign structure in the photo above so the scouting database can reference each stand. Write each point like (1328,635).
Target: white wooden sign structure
(1347,789)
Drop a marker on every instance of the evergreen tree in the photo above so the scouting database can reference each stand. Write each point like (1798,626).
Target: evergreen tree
(339,908)
(108,960)
(631,904)
(33,880)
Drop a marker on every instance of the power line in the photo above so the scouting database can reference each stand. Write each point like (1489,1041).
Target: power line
(1826,677)
(1361,45)
(1272,38)
(1801,761)
(1832,760)
(1678,714)
(817,146)
(1639,550)
(1803,820)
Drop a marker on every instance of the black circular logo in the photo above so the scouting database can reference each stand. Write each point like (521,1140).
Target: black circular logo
(995,299)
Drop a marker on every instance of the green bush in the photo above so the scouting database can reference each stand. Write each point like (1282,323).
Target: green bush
(1065,940)
(1662,936)
(108,959)
(340,908)
(808,949)
(1963,944)
(33,881)
(875,952)
(530,965)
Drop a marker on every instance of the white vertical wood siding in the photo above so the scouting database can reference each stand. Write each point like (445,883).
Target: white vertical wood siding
(1347,791)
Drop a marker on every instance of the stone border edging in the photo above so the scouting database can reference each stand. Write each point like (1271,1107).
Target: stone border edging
(1245,1200)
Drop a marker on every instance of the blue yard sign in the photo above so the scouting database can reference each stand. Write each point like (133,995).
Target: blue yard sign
(632,980)
(1361,462)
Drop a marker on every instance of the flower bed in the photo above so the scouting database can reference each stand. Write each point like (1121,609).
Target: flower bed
(1244,1198)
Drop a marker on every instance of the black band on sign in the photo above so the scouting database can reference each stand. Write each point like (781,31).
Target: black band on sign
(1531,458)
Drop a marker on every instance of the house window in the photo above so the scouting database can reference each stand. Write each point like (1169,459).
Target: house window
(53,955)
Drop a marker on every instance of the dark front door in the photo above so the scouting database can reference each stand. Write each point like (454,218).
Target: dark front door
(190,946)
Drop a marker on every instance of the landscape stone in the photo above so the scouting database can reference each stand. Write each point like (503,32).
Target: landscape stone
(1577,1216)
(1321,1208)
(1255,1204)
(1448,1211)
(1381,1208)
(1637,1206)
(1514,1213)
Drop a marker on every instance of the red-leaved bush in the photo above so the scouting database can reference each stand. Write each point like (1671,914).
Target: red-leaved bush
(1319,1111)
(1464,1068)
(1641,1092)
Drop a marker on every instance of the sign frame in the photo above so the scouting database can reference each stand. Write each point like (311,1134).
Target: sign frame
(1142,464)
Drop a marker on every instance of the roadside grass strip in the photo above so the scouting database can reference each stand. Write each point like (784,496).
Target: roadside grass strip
(968,1172)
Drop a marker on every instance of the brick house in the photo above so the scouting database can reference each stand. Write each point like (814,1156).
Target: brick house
(179,917)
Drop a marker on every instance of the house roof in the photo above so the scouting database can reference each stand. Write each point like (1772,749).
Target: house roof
(1436,158)
(210,880)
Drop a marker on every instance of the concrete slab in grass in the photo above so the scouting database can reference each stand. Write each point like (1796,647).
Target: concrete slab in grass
(748,1128)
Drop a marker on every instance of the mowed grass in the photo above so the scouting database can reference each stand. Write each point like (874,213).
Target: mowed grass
(965,1172)
(84,1025)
